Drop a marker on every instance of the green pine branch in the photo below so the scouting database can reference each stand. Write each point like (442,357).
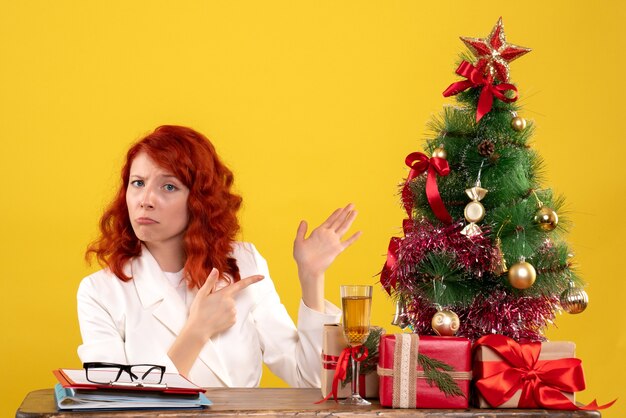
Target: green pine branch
(456,287)
(435,372)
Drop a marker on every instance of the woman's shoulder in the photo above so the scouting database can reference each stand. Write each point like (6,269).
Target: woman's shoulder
(101,281)
(242,247)
(250,262)
(245,252)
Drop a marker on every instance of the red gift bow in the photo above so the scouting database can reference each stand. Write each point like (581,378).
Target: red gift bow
(342,368)
(419,163)
(476,79)
(541,382)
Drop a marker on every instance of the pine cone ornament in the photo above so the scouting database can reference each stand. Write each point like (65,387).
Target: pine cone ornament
(486,148)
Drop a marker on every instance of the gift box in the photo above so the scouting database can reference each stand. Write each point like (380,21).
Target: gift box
(333,344)
(531,375)
(424,372)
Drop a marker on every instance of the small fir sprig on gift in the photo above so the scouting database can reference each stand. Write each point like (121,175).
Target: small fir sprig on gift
(435,373)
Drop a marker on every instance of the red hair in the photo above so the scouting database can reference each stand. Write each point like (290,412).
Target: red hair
(212,207)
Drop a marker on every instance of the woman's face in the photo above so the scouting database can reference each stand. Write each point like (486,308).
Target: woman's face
(157,203)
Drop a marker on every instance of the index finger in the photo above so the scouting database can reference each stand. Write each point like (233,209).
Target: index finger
(243,283)
(209,284)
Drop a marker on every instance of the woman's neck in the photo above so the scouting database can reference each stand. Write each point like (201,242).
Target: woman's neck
(171,258)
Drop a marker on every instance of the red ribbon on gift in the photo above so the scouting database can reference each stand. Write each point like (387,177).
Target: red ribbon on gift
(342,367)
(330,363)
(419,163)
(475,78)
(541,382)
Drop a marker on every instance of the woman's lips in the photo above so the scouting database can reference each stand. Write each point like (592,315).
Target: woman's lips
(146,221)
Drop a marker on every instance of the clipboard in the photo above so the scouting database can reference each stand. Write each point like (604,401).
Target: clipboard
(173,383)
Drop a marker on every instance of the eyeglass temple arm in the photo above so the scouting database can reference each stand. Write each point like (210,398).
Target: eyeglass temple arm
(160,369)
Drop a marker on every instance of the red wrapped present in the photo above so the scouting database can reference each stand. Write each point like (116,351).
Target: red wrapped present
(530,375)
(333,344)
(424,372)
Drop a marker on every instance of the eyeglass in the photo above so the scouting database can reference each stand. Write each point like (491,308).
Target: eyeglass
(142,375)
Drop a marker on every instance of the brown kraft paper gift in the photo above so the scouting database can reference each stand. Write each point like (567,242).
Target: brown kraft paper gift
(333,344)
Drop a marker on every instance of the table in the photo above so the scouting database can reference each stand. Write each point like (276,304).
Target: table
(282,402)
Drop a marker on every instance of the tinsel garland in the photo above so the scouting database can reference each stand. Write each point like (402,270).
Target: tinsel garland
(520,318)
(422,238)
(500,311)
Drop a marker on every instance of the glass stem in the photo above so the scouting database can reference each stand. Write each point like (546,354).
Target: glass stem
(355,377)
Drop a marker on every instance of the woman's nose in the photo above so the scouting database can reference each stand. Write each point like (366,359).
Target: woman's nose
(146,200)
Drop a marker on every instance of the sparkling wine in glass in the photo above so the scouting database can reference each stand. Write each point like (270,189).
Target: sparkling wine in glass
(356,301)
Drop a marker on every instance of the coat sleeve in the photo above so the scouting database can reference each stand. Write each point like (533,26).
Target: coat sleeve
(102,333)
(293,354)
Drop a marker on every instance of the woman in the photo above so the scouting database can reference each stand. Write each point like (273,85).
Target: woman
(177,290)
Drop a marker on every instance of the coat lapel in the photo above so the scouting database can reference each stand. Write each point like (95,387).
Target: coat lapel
(153,289)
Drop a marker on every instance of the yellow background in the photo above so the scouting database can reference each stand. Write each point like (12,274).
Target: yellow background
(313,104)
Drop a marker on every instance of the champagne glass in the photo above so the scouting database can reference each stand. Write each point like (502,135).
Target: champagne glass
(356,301)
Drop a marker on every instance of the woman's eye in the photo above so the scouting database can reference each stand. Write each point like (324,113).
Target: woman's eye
(170,187)
(137,183)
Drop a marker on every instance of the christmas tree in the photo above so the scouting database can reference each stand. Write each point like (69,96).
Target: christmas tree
(483,249)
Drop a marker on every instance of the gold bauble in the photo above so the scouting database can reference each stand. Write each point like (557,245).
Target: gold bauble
(522,275)
(546,218)
(518,123)
(439,152)
(445,323)
(574,300)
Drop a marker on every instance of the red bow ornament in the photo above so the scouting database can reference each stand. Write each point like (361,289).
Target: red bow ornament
(542,382)
(388,274)
(419,163)
(475,78)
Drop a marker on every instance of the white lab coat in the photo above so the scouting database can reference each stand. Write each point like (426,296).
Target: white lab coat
(137,322)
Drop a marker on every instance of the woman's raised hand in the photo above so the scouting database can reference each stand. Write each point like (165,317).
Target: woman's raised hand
(316,253)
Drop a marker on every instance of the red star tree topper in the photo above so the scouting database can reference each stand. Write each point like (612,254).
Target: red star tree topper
(493,53)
